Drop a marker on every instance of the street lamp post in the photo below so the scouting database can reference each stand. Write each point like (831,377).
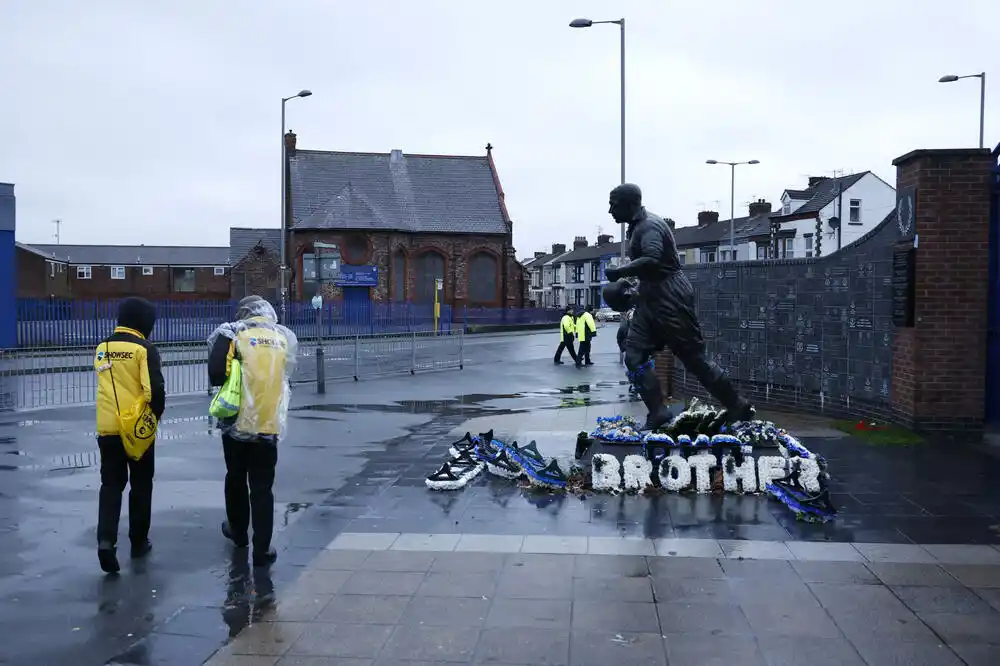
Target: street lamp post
(951,78)
(586,23)
(283,269)
(732,199)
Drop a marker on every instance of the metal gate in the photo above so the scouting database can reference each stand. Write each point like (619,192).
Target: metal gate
(993,329)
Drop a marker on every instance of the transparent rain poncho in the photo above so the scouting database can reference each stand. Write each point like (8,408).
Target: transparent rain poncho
(267,354)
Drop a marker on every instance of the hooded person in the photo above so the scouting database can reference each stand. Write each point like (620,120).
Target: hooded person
(129,373)
(266,353)
(665,314)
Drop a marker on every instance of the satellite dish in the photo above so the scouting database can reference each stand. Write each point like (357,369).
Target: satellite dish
(834,222)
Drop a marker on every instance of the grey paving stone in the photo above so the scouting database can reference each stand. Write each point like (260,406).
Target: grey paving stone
(426,542)
(537,563)
(567,545)
(941,599)
(490,543)
(458,585)
(974,654)
(383,582)
(964,553)
(688,548)
(268,638)
(320,581)
(912,574)
(834,572)
(603,648)
(221,659)
(696,618)
(541,613)
(363,609)
(776,569)
(768,618)
(693,591)
(293,660)
(894,552)
(866,623)
(363,541)
(344,560)
(467,562)
(877,651)
(300,608)
(447,612)
(842,597)
(195,621)
(613,589)
(398,560)
(620,546)
(965,627)
(691,650)
(610,566)
(342,640)
(427,643)
(779,651)
(755,550)
(975,575)
(990,595)
(517,585)
(616,615)
(686,567)
(786,591)
(824,551)
(528,647)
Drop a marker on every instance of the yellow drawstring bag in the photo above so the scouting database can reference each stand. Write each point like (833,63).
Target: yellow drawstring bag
(226,403)
(137,425)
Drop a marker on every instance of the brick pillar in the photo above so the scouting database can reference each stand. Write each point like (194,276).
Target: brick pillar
(664,371)
(939,363)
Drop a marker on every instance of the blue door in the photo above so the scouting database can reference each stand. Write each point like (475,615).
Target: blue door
(358,309)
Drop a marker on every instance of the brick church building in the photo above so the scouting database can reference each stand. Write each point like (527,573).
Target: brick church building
(400,223)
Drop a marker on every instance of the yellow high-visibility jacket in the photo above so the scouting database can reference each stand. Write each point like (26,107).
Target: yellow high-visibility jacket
(567,327)
(137,373)
(586,327)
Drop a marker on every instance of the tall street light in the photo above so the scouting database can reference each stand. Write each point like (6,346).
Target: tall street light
(283,270)
(586,23)
(732,200)
(951,78)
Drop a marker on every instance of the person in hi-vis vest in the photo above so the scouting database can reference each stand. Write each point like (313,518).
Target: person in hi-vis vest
(266,353)
(567,329)
(586,329)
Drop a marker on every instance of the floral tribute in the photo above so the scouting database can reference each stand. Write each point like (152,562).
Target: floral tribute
(690,453)
(508,461)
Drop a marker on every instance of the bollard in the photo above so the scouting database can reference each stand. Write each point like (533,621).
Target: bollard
(357,357)
(413,353)
(320,371)
(461,350)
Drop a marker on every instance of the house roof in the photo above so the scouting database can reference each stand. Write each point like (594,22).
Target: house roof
(36,251)
(395,192)
(822,193)
(128,255)
(590,252)
(244,239)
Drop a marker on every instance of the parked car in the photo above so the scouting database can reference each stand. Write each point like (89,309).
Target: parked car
(607,314)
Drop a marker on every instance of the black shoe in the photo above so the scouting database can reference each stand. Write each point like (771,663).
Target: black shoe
(589,363)
(108,557)
(583,444)
(141,549)
(266,558)
(743,412)
(227,531)
(660,418)
(579,365)
(558,362)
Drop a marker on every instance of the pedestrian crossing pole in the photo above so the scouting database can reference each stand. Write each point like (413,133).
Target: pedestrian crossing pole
(438,285)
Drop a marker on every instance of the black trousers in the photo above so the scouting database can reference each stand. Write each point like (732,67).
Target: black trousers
(566,344)
(249,489)
(117,471)
(584,353)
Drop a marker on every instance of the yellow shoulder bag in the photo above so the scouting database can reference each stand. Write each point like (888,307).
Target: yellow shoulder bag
(137,425)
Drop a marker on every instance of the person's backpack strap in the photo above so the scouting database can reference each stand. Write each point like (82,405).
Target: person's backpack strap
(111,371)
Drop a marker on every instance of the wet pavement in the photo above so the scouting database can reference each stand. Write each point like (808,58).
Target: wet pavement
(355,462)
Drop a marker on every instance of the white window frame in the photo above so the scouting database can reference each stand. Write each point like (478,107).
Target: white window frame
(787,247)
(854,211)
(83,272)
(117,272)
(706,256)
(809,245)
(786,209)
(219,270)
(762,250)
(147,270)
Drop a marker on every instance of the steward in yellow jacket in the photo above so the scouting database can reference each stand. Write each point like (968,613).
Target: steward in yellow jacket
(266,353)
(567,329)
(586,329)
(128,368)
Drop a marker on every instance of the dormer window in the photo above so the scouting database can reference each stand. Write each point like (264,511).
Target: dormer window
(786,208)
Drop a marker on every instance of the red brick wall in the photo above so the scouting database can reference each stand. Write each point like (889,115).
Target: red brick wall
(36,278)
(938,365)
(377,249)
(158,286)
(257,274)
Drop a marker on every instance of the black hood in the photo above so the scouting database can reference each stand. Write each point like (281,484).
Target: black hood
(138,314)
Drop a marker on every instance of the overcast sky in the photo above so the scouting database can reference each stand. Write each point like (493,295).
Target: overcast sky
(159,122)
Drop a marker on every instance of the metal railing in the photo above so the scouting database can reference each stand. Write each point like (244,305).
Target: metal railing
(44,378)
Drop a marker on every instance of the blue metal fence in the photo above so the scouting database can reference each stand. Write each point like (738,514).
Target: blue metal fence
(46,323)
